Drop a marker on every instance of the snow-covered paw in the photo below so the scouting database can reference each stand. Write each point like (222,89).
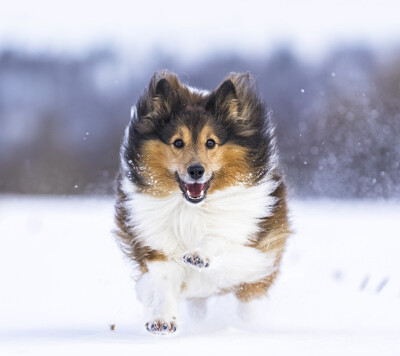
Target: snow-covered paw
(161,327)
(195,261)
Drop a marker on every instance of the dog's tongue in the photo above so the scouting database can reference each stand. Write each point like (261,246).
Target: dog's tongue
(195,189)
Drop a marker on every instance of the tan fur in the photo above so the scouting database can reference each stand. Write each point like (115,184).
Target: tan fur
(275,229)
(272,238)
(132,248)
(247,292)
(233,168)
(160,179)
(160,161)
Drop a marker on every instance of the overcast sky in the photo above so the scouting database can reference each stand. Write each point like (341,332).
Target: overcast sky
(197,27)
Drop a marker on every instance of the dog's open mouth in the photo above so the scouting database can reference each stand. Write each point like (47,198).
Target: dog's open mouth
(194,192)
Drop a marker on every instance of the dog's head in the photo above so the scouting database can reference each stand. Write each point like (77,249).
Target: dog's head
(197,142)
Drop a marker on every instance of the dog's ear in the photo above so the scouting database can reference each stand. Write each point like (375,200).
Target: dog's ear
(168,95)
(161,98)
(166,99)
(163,89)
(236,102)
(223,101)
(159,101)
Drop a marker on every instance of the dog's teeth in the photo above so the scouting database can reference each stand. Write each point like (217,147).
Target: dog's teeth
(195,198)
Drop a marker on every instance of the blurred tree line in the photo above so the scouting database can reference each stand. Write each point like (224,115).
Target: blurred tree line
(62,117)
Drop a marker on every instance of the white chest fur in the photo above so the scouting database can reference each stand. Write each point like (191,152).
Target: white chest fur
(219,227)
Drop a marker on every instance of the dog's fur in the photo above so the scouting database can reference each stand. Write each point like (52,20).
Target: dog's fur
(196,236)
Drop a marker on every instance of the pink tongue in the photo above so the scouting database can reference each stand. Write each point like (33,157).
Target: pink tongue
(195,189)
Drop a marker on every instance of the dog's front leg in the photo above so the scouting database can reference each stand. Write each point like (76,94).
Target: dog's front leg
(159,290)
(196,259)
(201,257)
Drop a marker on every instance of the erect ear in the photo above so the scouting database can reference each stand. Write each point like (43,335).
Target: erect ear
(163,89)
(166,99)
(160,99)
(223,101)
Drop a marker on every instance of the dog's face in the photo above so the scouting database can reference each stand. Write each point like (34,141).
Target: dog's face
(188,143)
(202,158)
(195,156)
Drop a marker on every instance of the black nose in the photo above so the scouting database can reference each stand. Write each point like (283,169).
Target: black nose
(196,171)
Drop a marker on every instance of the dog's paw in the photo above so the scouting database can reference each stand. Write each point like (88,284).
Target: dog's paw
(195,261)
(161,327)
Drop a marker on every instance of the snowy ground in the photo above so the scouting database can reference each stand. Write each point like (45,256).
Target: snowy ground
(63,282)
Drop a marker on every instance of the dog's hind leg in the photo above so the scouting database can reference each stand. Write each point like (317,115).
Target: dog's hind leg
(249,292)
(159,289)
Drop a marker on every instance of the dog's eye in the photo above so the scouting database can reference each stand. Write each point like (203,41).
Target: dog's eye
(210,143)
(178,143)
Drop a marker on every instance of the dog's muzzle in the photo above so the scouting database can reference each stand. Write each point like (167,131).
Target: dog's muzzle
(193,192)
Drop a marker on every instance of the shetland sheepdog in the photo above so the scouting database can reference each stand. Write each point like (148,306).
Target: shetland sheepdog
(201,201)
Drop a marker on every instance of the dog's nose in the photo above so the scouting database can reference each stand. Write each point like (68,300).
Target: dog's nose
(196,171)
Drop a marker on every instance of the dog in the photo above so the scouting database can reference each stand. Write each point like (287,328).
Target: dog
(201,200)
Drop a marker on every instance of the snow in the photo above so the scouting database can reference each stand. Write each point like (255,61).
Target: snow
(64,282)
